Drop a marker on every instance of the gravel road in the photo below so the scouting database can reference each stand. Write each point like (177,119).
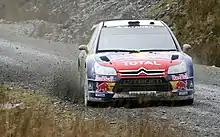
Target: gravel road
(40,64)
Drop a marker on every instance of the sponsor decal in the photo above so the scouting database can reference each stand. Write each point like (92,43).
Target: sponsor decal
(111,86)
(183,93)
(105,87)
(179,85)
(134,63)
(180,76)
(104,78)
(102,87)
(100,95)
(141,81)
(95,98)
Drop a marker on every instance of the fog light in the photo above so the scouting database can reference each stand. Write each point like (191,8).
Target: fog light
(90,85)
(191,85)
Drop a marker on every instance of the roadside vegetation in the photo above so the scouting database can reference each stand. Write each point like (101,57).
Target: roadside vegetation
(28,114)
(197,22)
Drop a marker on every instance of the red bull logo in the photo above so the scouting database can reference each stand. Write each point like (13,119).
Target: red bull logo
(102,87)
(181,85)
(181,76)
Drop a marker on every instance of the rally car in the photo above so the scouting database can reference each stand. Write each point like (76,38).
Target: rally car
(135,59)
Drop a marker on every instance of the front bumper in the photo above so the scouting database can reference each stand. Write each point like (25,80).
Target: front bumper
(107,97)
(112,88)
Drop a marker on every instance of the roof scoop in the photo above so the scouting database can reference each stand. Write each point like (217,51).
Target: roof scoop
(134,23)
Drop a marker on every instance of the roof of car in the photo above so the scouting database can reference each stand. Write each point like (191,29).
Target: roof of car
(114,23)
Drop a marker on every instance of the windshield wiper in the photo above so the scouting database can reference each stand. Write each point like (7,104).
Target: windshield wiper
(119,50)
(156,50)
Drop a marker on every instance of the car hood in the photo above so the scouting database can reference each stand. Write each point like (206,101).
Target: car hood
(134,61)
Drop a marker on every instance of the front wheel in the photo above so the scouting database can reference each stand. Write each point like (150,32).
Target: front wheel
(85,90)
(86,93)
(190,101)
(186,102)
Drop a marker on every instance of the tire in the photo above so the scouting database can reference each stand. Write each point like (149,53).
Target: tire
(82,77)
(186,102)
(84,87)
(86,102)
(85,90)
(190,101)
(81,70)
(182,102)
(82,80)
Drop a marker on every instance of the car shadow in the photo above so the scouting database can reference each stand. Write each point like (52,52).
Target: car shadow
(131,104)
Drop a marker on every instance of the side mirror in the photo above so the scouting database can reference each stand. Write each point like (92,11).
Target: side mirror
(186,47)
(83,47)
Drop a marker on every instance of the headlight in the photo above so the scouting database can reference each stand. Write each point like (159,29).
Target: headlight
(180,68)
(101,70)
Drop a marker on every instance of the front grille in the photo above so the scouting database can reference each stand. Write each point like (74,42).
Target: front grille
(144,84)
(142,71)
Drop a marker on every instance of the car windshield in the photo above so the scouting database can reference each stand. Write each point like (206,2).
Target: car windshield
(144,38)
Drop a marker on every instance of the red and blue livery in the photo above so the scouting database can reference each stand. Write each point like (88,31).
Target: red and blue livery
(135,59)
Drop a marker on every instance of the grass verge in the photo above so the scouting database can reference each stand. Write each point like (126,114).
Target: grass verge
(36,115)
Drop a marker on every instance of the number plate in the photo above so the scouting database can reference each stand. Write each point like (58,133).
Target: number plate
(142,92)
(183,93)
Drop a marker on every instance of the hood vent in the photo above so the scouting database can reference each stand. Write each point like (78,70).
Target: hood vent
(104,58)
(174,57)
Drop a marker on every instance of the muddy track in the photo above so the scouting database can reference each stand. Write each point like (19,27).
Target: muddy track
(40,64)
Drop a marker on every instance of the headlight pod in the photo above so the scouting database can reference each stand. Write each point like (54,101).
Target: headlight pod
(179,68)
(102,70)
